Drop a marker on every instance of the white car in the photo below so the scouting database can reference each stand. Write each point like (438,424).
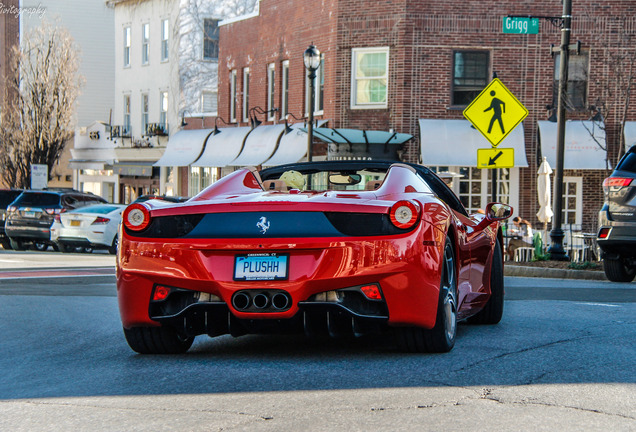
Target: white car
(88,228)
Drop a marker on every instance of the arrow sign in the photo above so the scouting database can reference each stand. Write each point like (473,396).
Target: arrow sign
(496,158)
(493,159)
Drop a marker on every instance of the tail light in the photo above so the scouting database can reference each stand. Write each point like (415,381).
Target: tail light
(12,208)
(53,211)
(58,218)
(404,214)
(136,217)
(603,233)
(615,183)
(100,221)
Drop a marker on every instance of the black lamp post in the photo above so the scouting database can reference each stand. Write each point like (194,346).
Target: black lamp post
(556,250)
(311,58)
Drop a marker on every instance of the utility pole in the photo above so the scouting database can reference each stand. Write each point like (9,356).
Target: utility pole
(556,235)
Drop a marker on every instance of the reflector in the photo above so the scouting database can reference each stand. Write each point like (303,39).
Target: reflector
(161,293)
(372,292)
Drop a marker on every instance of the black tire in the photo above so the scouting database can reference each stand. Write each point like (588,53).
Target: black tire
(157,340)
(6,244)
(87,249)
(441,338)
(55,247)
(66,248)
(617,271)
(493,311)
(17,245)
(113,247)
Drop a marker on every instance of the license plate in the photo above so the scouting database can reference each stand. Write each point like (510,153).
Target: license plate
(265,266)
(75,223)
(30,214)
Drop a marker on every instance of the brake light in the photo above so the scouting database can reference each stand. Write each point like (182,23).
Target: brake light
(100,220)
(136,217)
(53,211)
(161,293)
(404,214)
(58,218)
(12,208)
(616,183)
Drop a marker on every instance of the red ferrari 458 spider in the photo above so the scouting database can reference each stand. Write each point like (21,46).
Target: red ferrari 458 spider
(330,247)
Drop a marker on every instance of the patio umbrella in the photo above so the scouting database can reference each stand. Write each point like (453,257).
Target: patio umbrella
(545,212)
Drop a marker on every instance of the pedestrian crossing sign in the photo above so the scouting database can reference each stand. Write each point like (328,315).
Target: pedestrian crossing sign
(495,112)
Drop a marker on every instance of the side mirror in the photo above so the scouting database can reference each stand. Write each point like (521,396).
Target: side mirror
(498,211)
(494,212)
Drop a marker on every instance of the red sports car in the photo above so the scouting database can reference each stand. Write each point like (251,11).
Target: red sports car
(328,247)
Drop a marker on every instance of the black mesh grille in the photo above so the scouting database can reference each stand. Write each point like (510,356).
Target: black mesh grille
(363,224)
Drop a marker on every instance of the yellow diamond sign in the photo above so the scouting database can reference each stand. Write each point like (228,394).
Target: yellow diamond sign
(495,112)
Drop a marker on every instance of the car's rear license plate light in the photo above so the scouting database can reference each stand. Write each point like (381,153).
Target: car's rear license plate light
(261,266)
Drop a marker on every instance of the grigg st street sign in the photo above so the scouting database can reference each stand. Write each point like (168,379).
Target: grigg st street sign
(521,25)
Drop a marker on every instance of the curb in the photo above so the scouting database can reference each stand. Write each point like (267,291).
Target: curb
(542,272)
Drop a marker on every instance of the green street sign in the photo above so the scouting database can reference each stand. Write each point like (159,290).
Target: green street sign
(520,25)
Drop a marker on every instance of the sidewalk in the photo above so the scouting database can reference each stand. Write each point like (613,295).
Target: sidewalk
(542,272)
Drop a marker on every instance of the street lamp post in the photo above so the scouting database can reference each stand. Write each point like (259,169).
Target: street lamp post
(556,248)
(311,58)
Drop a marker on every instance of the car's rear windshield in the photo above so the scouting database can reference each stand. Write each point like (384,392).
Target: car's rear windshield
(7,197)
(38,199)
(628,163)
(97,209)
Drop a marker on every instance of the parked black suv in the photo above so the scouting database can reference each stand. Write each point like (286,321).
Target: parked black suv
(7,196)
(617,221)
(29,218)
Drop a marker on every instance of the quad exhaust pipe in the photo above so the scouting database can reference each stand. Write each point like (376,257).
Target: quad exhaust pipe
(261,301)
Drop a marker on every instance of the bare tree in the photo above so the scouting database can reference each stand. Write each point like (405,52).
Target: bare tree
(37,121)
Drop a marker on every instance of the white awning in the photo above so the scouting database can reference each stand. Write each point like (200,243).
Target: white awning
(292,146)
(455,142)
(224,147)
(581,151)
(630,134)
(260,145)
(184,147)
(88,164)
(91,158)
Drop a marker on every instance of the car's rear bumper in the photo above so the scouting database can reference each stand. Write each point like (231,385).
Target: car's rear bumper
(406,270)
(29,233)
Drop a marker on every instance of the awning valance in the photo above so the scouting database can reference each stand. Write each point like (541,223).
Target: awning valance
(581,149)
(455,143)
(224,147)
(184,147)
(630,134)
(260,145)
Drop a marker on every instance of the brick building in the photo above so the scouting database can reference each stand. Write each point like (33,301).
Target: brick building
(413,66)
(9,37)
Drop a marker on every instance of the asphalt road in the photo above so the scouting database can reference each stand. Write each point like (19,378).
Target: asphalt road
(565,362)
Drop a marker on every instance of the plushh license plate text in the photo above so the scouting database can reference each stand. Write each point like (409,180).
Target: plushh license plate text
(265,266)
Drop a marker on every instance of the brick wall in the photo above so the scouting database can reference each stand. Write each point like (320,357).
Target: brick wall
(422,36)
(9,37)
